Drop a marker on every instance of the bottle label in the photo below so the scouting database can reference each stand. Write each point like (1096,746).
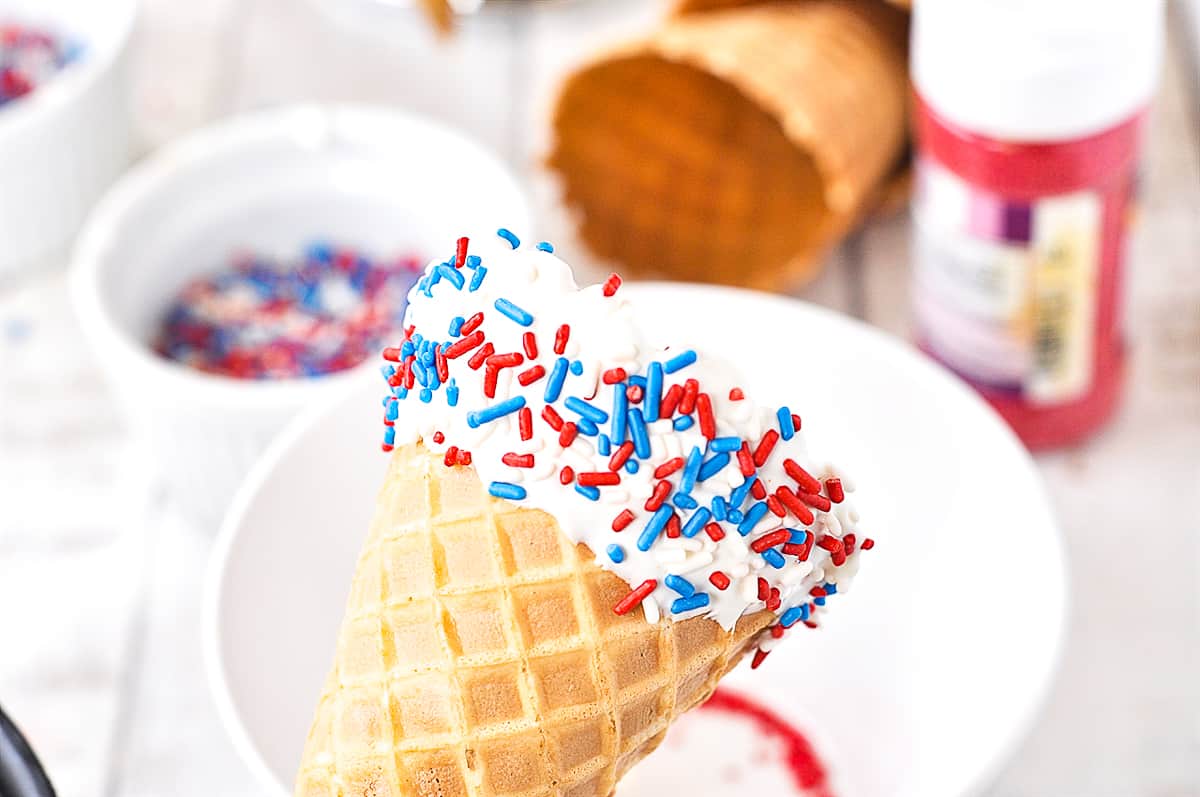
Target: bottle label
(1005,290)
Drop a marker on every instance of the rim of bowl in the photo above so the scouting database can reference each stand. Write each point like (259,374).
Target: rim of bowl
(142,182)
(991,765)
(77,79)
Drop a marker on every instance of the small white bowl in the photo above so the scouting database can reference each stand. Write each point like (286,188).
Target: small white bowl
(377,179)
(62,145)
(919,684)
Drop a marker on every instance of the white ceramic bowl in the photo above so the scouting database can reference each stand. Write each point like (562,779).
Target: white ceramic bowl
(62,145)
(921,681)
(377,179)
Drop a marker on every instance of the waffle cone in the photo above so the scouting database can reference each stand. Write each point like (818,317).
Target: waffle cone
(480,655)
(736,145)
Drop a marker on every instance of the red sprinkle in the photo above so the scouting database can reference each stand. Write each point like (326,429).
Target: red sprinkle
(443,367)
(867,544)
(667,468)
(670,401)
(760,656)
(514,460)
(795,421)
(599,478)
(634,394)
(719,580)
(561,337)
(818,592)
(805,479)
(793,548)
(775,506)
(770,540)
(464,457)
(810,624)
(386,447)
(714,532)
(674,529)
(661,490)
(566,475)
(736,394)
(745,460)
(460,254)
(438,437)
(764,589)
(816,501)
(490,376)
(566,435)
(777,631)
(464,345)
(614,375)
(797,507)
(838,558)
(833,488)
(451,456)
(505,360)
(774,602)
(471,324)
(478,357)
(531,375)
(525,422)
(763,450)
(529,342)
(687,404)
(622,520)
(829,543)
(551,416)
(391,354)
(620,456)
(611,284)
(635,596)
(708,424)
(758,490)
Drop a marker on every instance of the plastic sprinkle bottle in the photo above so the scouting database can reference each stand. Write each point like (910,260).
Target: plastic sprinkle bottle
(1028,120)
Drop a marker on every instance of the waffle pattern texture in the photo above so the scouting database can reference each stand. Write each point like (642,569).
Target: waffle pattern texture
(480,655)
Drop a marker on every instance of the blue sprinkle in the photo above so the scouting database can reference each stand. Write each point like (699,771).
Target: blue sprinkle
(819,601)
(577,368)
(615,552)
(591,493)
(477,418)
(637,431)
(718,508)
(508,236)
(680,585)
(696,522)
(389,435)
(400,391)
(697,601)
(473,261)
(753,515)
(631,466)
(555,384)
(713,466)
(654,384)
(393,410)
(640,381)
(546,247)
(320,251)
(786,429)
(513,492)
(830,589)
(434,279)
(691,469)
(593,414)
(452,396)
(654,527)
(620,407)
(798,536)
(734,516)
(725,444)
(603,446)
(774,558)
(683,422)
(738,496)
(685,501)
(426,395)
(477,278)
(456,325)
(790,617)
(452,274)
(586,427)
(407,349)
(804,612)
(388,371)
(681,360)
(515,313)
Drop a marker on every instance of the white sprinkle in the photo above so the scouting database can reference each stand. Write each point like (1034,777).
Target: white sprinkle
(696,562)
(833,524)
(515,475)
(796,573)
(757,563)
(749,590)
(740,570)
(673,446)
(650,607)
(669,556)
(611,496)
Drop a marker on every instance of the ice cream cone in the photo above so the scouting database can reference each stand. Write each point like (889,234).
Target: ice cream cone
(735,145)
(439,13)
(480,655)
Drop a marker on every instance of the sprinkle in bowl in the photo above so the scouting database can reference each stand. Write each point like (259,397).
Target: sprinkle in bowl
(379,180)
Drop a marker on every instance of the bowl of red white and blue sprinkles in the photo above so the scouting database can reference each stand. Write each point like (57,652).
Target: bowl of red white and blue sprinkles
(652,455)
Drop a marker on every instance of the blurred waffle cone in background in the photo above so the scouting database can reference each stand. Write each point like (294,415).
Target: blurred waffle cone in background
(738,144)
(439,13)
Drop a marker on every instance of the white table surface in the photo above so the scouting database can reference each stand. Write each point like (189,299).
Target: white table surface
(100,578)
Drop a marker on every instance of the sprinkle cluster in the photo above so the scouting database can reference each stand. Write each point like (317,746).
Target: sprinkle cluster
(261,319)
(698,487)
(28,58)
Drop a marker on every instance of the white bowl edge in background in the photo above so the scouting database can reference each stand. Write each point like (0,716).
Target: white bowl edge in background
(273,180)
(64,143)
(895,667)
